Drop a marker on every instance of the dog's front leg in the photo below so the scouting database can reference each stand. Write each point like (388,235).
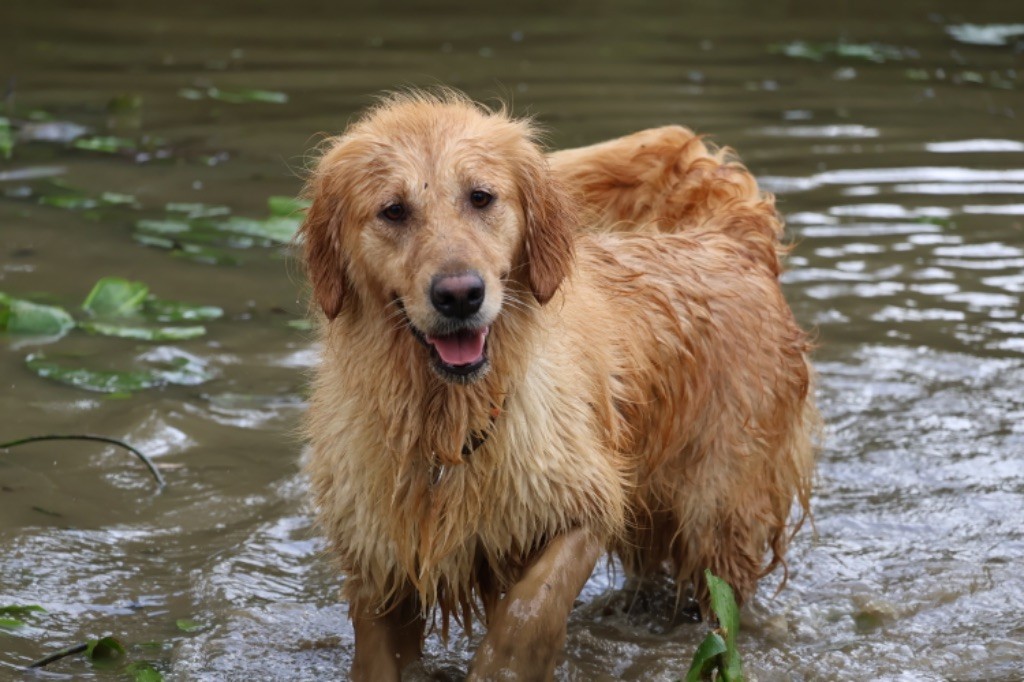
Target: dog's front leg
(386,642)
(526,630)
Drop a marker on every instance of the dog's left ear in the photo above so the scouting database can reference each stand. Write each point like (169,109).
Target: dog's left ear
(551,224)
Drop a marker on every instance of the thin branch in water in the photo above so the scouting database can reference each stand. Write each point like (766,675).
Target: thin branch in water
(57,655)
(160,482)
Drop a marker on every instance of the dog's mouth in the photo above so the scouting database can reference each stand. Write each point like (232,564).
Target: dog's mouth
(457,355)
(462,354)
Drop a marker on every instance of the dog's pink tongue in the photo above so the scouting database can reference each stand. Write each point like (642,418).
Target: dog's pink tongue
(464,348)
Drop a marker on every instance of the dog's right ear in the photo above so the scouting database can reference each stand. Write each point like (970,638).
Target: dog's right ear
(321,246)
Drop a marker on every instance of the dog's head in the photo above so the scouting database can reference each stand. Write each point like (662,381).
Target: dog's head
(433,208)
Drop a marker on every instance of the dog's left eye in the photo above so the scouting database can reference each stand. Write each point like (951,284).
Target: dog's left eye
(480,198)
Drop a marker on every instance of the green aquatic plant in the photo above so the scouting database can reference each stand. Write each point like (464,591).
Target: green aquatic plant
(25,318)
(12,616)
(717,657)
(871,52)
(107,653)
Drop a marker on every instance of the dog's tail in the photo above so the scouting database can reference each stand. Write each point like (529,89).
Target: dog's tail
(670,180)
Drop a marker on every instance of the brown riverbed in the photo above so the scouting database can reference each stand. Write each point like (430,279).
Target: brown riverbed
(892,138)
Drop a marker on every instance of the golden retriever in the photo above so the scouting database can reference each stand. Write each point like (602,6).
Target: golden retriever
(508,388)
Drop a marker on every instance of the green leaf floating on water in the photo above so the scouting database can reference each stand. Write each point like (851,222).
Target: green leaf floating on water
(183,370)
(279,229)
(33,319)
(126,331)
(104,650)
(105,144)
(198,210)
(287,206)
(114,296)
(10,616)
(247,95)
(872,52)
(21,610)
(6,138)
(163,310)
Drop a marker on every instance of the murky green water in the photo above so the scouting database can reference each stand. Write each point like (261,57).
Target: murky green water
(900,167)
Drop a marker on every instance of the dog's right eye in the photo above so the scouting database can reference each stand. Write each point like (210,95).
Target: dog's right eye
(394,213)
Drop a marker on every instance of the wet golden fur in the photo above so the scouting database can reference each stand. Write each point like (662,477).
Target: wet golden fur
(648,389)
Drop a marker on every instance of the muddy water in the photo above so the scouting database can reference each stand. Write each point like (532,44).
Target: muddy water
(900,167)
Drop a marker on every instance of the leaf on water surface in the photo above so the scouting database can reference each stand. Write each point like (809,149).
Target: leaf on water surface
(287,206)
(6,138)
(117,199)
(706,658)
(21,609)
(279,229)
(10,623)
(71,202)
(182,371)
(188,625)
(125,331)
(197,210)
(241,96)
(163,310)
(872,52)
(104,650)
(115,296)
(144,671)
(107,144)
(33,319)
(247,95)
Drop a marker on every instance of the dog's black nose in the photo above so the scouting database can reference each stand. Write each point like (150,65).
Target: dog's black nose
(458,296)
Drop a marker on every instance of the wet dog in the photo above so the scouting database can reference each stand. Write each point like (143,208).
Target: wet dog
(529,360)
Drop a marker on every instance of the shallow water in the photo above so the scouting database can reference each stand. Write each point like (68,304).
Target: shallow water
(899,168)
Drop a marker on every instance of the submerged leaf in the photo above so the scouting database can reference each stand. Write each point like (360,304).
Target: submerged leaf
(188,625)
(144,672)
(115,296)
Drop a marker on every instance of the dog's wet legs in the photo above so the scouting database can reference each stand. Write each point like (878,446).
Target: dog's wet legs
(527,627)
(387,642)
